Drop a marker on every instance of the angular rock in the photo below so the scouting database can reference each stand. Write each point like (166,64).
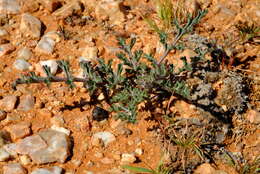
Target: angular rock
(4,155)
(11,149)
(8,102)
(3,32)
(253,116)
(58,148)
(52,170)
(9,7)
(50,63)
(51,5)
(24,53)
(90,53)
(68,9)
(110,9)
(99,114)
(106,137)
(6,49)
(19,130)
(25,159)
(45,45)
(26,103)
(14,168)
(21,65)
(128,158)
(30,26)
(30,145)
(61,129)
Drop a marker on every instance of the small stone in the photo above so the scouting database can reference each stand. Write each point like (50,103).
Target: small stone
(128,158)
(14,168)
(26,103)
(30,26)
(116,155)
(19,130)
(3,32)
(4,155)
(24,53)
(45,45)
(88,172)
(106,137)
(25,160)
(52,64)
(68,10)
(99,114)
(52,170)
(205,169)
(107,160)
(2,115)
(6,49)
(9,7)
(139,151)
(124,131)
(8,102)
(21,65)
(61,129)
(253,116)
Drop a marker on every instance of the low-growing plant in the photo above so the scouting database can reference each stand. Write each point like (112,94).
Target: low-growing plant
(247,31)
(133,81)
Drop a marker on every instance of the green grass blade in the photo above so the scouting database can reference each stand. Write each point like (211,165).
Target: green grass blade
(138,169)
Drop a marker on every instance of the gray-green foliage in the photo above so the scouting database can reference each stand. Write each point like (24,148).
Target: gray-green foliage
(133,81)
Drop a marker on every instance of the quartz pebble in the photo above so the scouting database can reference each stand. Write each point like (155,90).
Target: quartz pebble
(19,130)
(4,155)
(21,65)
(24,53)
(52,170)
(8,103)
(106,137)
(30,26)
(128,158)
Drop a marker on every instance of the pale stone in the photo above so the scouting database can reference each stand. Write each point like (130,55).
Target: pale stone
(25,160)
(253,116)
(52,170)
(45,45)
(14,168)
(19,130)
(106,137)
(26,103)
(9,7)
(107,160)
(8,102)
(128,158)
(4,155)
(11,149)
(21,64)
(139,151)
(24,53)
(50,63)
(3,32)
(6,49)
(30,26)
(61,129)
(110,9)
(68,9)
(90,53)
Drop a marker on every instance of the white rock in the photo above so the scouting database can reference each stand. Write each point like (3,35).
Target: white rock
(52,170)
(21,64)
(9,7)
(4,155)
(90,52)
(128,158)
(106,137)
(45,45)
(25,159)
(139,151)
(30,26)
(61,129)
(3,32)
(24,53)
(50,63)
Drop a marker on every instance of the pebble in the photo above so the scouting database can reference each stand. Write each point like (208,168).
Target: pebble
(52,64)
(24,53)
(52,170)
(2,115)
(30,26)
(26,103)
(106,137)
(6,49)
(68,9)
(4,155)
(99,114)
(8,103)
(124,131)
(128,158)
(9,7)
(3,32)
(19,130)
(25,160)
(45,45)
(139,151)
(14,168)
(21,65)
(90,53)
(253,116)
(61,129)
